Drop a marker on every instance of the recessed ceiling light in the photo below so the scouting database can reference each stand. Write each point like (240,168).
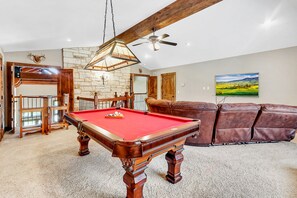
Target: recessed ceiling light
(188,44)
(68,40)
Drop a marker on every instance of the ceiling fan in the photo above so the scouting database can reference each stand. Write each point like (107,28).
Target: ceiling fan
(154,41)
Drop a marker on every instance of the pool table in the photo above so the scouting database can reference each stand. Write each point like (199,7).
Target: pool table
(136,139)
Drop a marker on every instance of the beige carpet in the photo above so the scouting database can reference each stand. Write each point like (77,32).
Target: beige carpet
(48,166)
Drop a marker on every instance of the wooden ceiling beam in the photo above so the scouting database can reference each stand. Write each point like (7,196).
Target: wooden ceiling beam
(174,12)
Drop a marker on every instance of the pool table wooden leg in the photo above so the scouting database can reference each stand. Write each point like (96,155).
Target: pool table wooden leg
(135,176)
(83,139)
(174,159)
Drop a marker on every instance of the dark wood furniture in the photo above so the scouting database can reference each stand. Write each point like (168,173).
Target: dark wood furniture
(135,141)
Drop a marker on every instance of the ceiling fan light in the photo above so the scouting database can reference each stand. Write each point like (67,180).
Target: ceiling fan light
(157,46)
(154,46)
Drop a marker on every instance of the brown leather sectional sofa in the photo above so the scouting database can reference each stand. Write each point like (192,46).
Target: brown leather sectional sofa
(233,123)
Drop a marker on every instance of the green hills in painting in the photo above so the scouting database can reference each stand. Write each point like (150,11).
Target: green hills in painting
(248,86)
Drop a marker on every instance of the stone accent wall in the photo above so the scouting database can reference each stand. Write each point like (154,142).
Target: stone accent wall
(87,82)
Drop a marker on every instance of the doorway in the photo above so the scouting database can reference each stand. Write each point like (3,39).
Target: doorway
(139,86)
(143,86)
(168,86)
(32,86)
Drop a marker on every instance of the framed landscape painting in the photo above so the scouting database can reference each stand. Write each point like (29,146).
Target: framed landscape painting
(237,84)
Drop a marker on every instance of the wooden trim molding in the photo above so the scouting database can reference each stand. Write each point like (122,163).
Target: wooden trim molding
(8,96)
(32,65)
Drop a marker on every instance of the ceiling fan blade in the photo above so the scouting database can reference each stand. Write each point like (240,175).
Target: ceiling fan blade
(163,36)
(168,43)
(139,43)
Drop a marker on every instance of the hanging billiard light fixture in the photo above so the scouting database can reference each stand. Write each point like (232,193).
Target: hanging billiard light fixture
(114,54)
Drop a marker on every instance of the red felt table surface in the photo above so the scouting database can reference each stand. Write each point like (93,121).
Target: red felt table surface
(134,125)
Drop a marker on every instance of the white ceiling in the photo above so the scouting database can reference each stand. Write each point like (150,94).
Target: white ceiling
(229,28)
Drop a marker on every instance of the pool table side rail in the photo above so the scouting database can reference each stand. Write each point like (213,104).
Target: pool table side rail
(156,114)
(134,111)
(73,119)
(155,145)
(138,147)
(98,134)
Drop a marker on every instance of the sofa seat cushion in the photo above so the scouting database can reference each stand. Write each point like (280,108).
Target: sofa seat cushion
(159,106)
(234,122)
(206,112)
(279,108)
(273,134)
(232,136)
(186,105)
(239,107)
(275,123)
(237,115)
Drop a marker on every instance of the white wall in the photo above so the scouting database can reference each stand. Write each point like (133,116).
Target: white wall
(135,70)
(53,57)
(36,90)
(277,77)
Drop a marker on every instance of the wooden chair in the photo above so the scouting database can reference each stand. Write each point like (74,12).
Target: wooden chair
(64,108)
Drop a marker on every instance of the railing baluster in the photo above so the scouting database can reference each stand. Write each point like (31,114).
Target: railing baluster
(95,103)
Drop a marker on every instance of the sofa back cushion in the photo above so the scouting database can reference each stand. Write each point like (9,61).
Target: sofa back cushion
(205,112)
(159,106)
(234,122)
(275,123)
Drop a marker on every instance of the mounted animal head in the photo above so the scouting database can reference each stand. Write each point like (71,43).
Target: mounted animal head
(35,58)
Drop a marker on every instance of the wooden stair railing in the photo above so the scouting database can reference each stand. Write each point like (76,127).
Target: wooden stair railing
(64,108)
(46,106)
(96,103)
(43,110)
